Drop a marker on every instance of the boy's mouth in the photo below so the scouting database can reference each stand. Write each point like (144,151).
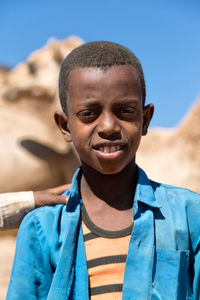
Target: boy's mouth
(109,150)
(109,147)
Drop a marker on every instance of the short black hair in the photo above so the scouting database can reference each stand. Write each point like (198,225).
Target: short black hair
(100,54)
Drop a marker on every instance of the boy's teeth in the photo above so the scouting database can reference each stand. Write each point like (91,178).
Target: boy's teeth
(107,149)
(101,149)
(113,148)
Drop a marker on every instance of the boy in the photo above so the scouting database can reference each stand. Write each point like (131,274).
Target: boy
(120,235)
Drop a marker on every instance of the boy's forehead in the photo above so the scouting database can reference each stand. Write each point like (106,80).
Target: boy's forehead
(120,73)
(115,82)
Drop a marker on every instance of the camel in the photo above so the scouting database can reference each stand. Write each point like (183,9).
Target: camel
(172,155)
(33,153)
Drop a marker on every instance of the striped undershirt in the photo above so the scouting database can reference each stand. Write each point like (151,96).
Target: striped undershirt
(106,253)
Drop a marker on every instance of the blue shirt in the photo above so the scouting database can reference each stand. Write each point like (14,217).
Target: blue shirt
(163,260)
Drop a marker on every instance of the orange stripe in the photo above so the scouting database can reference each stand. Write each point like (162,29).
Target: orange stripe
(85,229)
(108,296)
(106,274)
(102,247)
(109,273)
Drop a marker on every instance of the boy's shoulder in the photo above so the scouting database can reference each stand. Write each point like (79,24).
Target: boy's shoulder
(178,203)
(46,214)
(44,222)
(165,193)
(48,220)
(176,193)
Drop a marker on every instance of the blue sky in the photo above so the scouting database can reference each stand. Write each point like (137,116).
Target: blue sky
(165,35)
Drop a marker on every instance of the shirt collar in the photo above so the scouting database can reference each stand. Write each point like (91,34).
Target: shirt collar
(74,191)
(144,190)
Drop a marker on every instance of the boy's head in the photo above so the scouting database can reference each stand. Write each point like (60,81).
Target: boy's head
(100,54)
(102,92)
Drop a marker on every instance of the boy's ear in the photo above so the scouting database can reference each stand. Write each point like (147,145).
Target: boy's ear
(148,111)
(61,120)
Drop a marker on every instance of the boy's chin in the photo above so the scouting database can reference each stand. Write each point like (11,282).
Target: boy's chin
(111,170)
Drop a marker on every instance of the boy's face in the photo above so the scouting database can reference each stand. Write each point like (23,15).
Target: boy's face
(106,118)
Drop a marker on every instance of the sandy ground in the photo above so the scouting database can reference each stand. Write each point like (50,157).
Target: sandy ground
(7,250)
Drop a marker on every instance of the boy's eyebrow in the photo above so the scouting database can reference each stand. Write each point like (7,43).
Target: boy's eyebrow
(128,101)
(90,103)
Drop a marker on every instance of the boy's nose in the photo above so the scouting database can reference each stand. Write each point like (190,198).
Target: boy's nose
(109,127)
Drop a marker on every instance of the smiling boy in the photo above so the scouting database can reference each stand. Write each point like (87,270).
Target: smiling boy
(121,236)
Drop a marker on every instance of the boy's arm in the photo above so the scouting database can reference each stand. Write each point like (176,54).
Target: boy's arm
(14,206)
(196,253)
(193,218)
(31,273)
(196,281)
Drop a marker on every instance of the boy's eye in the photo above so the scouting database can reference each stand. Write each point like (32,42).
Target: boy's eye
(87,116)
(126,112)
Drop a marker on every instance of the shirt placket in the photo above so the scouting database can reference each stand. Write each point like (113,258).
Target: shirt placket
(139,264)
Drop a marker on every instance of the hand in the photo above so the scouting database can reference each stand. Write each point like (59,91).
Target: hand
(51,196)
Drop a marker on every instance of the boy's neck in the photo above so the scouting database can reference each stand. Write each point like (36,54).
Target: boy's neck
(116,191)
